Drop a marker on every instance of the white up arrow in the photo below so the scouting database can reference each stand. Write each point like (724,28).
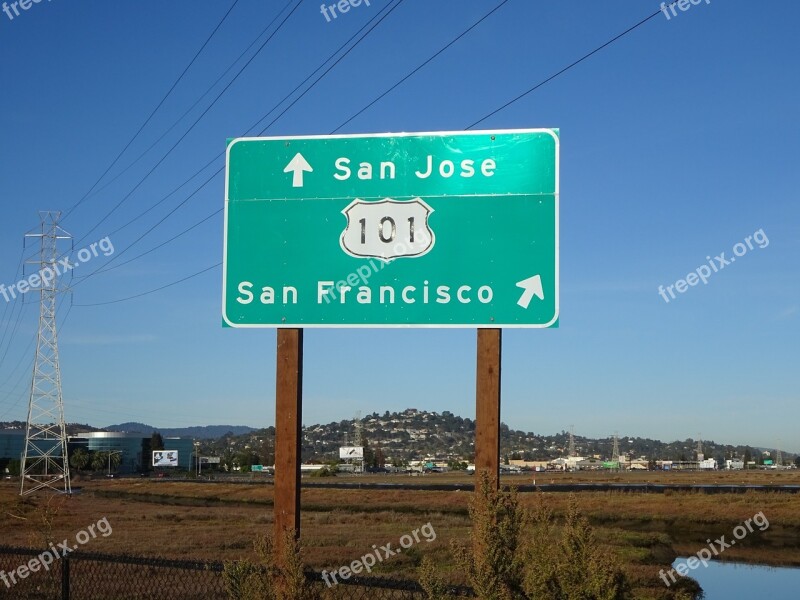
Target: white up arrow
(298,164)
(532,287)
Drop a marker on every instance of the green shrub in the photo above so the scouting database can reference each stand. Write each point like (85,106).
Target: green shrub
(278,574)
(516,554)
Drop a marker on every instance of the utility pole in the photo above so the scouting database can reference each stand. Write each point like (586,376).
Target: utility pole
(45,463)
(358,439)
(199,465)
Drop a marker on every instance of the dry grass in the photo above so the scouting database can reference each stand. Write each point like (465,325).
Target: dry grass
(220,522)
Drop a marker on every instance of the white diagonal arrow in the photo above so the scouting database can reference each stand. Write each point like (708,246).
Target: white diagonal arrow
(532,287)
(298,164)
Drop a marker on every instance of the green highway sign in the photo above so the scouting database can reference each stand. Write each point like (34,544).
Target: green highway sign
(392,230)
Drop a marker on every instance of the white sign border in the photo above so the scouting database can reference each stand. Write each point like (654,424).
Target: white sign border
(234,141)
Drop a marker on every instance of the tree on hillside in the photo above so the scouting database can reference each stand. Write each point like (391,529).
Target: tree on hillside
(267,451)
(246,459)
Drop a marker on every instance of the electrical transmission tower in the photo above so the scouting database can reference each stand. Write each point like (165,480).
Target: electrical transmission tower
(700,455)
(572,451)
(358,438)
(615,449)
(778,456)
(44,460)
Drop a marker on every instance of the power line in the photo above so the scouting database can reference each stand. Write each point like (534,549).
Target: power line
(175,124)
(19,266)
(162,244)
(19,363)
(565,69)
(153,227)
(165,198)
(329,69)
(13,391)
(20,399)
(423,65)
(154,111)
(16,299)
(158,289)
(388,9)
(25,372)
(507,104)
(194,124)
(13,331)
(254,125)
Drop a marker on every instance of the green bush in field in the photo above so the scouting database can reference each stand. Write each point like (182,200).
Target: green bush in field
(516,554)
(278,574)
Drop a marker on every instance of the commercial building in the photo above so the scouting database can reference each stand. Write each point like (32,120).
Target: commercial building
(12,443)
(134,448)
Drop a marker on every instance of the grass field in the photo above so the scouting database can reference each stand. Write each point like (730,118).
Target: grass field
(177,519)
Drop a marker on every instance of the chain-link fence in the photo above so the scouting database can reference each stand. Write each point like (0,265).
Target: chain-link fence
(24,575)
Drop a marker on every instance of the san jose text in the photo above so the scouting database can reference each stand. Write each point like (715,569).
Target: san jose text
(445,168)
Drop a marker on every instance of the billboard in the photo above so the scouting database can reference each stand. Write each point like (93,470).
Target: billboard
(210,460)
(165,458)
(351,452)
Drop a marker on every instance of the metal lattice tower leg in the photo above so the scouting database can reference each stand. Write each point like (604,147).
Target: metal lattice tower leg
(615,448)
(572,451)
(45,462)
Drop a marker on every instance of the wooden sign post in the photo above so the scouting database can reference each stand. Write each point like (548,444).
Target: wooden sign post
(487,403)
(288,434)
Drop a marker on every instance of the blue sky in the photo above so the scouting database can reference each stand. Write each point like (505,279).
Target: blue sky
(677,142)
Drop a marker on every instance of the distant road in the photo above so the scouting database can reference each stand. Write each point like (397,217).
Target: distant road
(649,488)
(645,488)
